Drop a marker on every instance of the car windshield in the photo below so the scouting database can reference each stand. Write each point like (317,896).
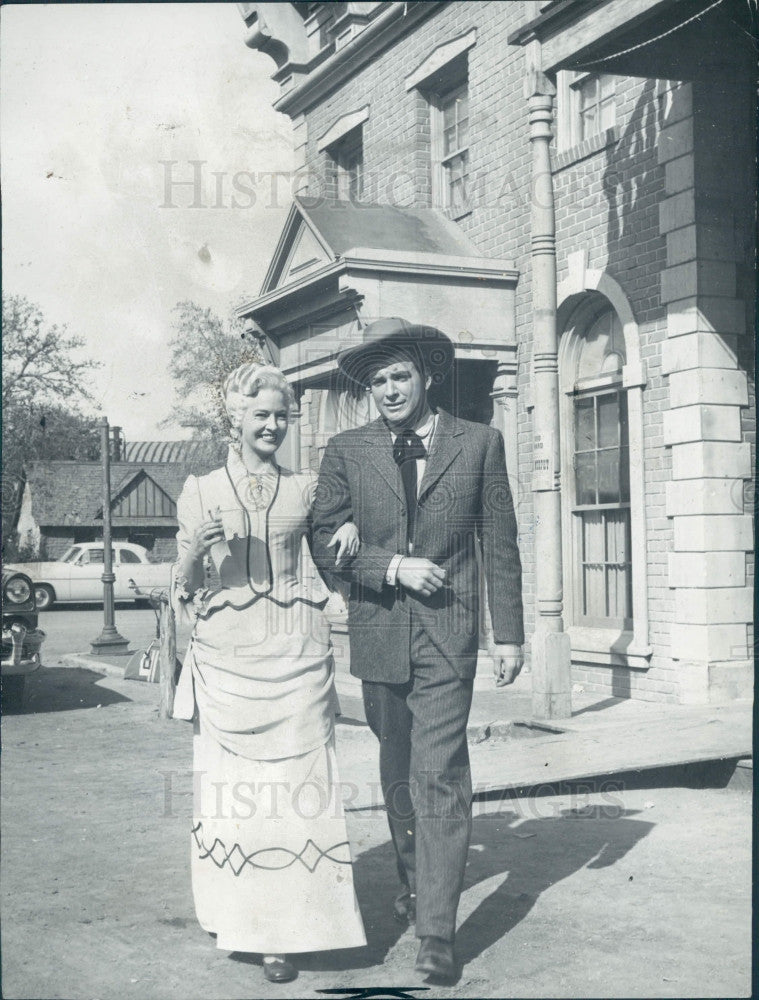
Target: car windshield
(71,554)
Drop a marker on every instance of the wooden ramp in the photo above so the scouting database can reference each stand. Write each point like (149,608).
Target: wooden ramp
(624,738)
(602,746)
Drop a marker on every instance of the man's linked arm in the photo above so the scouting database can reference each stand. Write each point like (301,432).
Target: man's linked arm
(333,506)
(498,531)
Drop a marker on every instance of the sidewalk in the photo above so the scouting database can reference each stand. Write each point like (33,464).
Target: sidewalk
(581,894)
(509,750)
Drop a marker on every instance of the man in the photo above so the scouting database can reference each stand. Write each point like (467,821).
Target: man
(424,490)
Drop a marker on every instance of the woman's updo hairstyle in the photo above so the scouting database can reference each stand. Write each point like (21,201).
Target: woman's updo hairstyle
(241,386)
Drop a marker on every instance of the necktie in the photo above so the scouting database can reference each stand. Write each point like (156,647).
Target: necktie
(407,449)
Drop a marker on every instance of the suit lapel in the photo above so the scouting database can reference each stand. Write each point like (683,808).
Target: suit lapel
(445,448)
(380,455)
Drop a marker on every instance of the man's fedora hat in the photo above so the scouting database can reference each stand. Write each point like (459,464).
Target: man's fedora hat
(386,338)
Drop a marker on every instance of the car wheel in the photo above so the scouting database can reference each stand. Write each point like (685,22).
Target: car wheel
(12,691)
(44,596)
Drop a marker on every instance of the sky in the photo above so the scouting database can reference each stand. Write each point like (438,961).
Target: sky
(93,97)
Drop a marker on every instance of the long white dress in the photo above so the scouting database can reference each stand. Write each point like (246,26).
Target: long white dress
(271,862)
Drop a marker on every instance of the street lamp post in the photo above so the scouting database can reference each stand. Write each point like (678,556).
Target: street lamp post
(109,640)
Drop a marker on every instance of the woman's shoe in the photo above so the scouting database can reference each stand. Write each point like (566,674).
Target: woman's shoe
(278,970)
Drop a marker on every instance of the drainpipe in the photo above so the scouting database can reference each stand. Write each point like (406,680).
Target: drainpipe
(550,646)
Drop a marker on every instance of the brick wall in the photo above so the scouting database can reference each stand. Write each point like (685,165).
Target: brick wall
(607,202)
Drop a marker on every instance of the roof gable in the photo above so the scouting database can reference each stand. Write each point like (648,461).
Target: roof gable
(301,249)
(71,493)
(322,233)
(141,496)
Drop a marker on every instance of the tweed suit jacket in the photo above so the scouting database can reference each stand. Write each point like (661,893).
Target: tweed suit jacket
(463,502)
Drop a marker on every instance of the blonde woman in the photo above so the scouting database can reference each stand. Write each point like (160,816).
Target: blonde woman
(271,862)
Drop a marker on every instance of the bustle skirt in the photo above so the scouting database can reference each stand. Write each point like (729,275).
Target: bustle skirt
(271,862)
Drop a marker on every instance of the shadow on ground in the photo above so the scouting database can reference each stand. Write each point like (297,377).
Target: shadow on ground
(61,689)
(530,857)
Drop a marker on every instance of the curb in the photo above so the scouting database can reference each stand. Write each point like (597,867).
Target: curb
(81,661)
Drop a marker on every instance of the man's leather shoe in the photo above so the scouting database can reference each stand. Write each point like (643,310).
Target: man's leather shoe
(436,958)
(279,970)
(404,907)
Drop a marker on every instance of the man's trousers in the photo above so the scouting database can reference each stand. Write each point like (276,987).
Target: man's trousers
(426,780)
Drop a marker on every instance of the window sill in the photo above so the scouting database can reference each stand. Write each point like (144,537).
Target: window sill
(455,216)
(588,147)
(608,648)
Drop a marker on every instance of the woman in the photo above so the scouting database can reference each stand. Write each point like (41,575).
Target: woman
(271,864)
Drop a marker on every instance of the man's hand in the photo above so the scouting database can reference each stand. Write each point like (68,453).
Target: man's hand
(420,575)
(507,662)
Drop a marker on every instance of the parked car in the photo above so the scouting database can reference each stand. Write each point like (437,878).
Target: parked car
(76,576)
(22,640)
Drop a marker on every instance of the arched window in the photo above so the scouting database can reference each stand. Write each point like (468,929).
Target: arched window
(600,497)
(603,477)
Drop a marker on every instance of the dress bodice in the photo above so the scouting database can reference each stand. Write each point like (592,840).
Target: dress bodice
(260,657)
(263,552)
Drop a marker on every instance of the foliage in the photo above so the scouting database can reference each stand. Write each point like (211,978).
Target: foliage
(39,361)
(204,350)
(44,383)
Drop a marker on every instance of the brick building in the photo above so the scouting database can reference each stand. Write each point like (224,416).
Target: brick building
(435,145)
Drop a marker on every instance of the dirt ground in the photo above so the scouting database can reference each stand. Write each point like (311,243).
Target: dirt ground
(635,893)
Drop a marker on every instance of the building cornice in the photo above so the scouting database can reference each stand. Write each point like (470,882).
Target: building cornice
(432,265)
(553,20)
(381,32)
(362,259)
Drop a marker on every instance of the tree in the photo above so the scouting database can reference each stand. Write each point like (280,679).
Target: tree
(44,385)
(39,362)
(204,350)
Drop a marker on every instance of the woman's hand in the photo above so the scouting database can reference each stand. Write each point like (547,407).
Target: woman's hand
(207,534)
(347,541)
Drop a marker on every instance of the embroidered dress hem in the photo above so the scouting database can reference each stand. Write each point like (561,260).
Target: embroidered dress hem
(271,862)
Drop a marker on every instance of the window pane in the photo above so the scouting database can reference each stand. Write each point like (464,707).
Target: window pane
(449,115)
(449,140)
(587,123)
(624,474)
(608,420)
(608,85)
(608,476)
(594,570)
(585,477)
(585,425)
(608,114)
(463,133)
(588,92)
(456,168)
(619,570)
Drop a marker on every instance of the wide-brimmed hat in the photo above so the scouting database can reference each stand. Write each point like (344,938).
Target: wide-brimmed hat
(383,340)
